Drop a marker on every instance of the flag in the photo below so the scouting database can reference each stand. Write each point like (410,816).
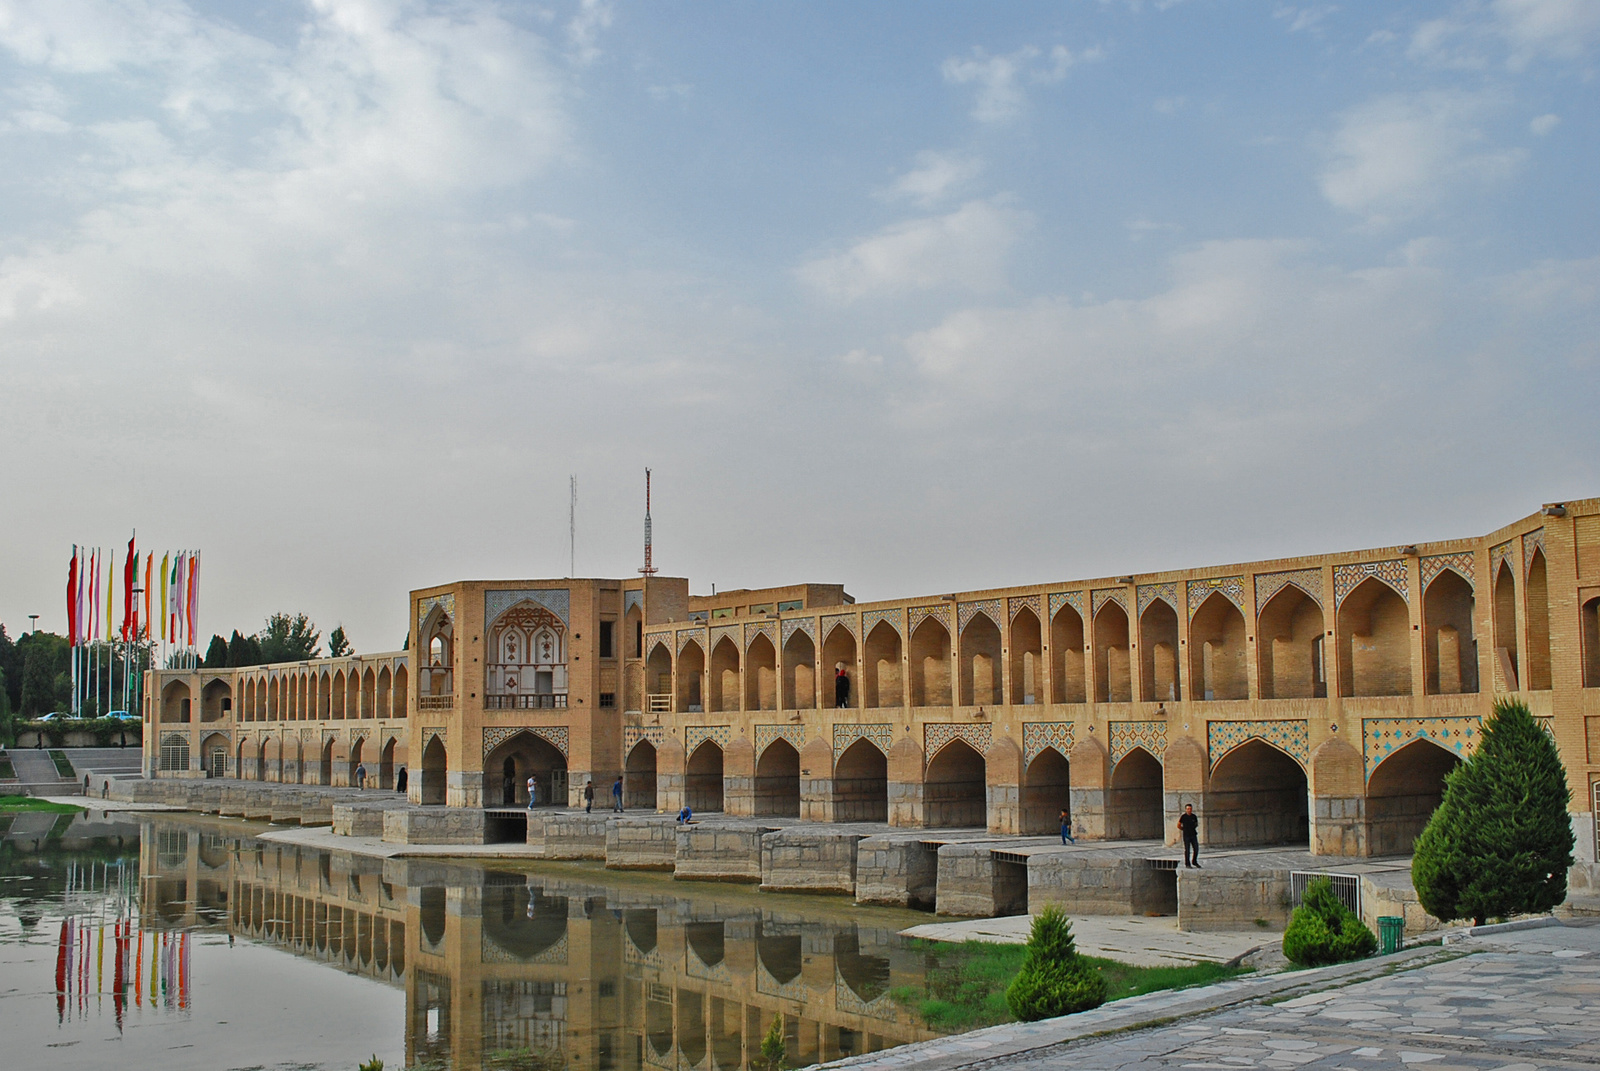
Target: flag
(111,583)
(149,560)
(133,587)
(194,595)
(94,596)
(180,581)
(72,598)
(166,571)
(130,569)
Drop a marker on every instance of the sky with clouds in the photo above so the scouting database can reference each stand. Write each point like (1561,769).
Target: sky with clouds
(916,296)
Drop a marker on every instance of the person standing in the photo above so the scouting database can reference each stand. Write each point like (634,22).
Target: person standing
(1189,828)
(361,775)
(841,687)
(588,797)
(616,795)
(533,791)
(1066,828)
(400,780)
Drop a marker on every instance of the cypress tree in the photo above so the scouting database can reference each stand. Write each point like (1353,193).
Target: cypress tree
(1501,842)
(216,654)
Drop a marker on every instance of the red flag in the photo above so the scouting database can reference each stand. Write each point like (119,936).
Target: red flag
(128,568)
(72,597)
(194,575)
(149,560)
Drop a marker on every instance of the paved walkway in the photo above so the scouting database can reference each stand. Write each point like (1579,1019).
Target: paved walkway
(1144,942)
(1529,1000)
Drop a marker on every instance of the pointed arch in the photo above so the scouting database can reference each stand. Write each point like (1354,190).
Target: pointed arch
(761,674)
(1257,794)
(1449,647)
(691,671)
(861,784)
(954,787)
(1158,653)
(1067,678)
(1134,800)
(1402,794)
(1217,650)
(509,765)
(724,681)
(1027,658)
(639,777)
(1113,674)
(1536,610)
(930,664)
(883,686)
(435,770)
(1046,792)
(1505,626)
(702,779)
(777,781)
(1374,635)
(1289,643)
(981,675)
(800,671)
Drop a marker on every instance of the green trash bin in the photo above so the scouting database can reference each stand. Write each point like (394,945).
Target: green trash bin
(1391,933)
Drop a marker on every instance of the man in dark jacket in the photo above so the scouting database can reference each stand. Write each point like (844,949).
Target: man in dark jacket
(1189,827)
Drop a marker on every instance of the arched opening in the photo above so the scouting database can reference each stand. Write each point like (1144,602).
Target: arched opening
(981,677)
(840,647)
(702,779)
(214,753)
(1505,625)
(1257,795)
(953,789)
(861,784)
(324,695)
(174,752)
(866,975)
(799,673)
(882,687)
(386,766)
(1589,619)
(658,679)
(1374,641)
(691,1027)
(1134,800)
(249,708)
(639,782)
(433,771)
(239,763)
(930,664)
(781,954)
(437,639)
(1113,677)
(1538,611)
(724,679)
(260,771)
(355,762)
(1402,794)
(521,921)
(175,703)
(431,904)
(216,700)
(1449,649)
(1027,658)
(352,699)
(778,780)
(1158,653)
(507,768)
(402,697)
(325,776)
(691,672)
(1066,656)
(1216,651)
(1289,641)
(369,693)
(338,696)
(707,941)
(761,675)
(381,709)
(641,927)
(1046,792)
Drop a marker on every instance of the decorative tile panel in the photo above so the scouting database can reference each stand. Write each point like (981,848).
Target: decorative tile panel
(695,735)
(1149,593)
(1496,556)
(1099,598)
(808,625)
(493,953)
(766,734)
(919,614)
(1232,588)
(359,734)
(496,735)
(632,734)
(557,600)
(725,632)
(1381,737)
(687,634)
(1016,604)
(428,737)
(446,602)
(936,735)
(1038,735)
(1291,737)
(990,608)
(1269,584)
(879,734)
(881,1007)
(1461,564)
(1058,599)
(1392,572)
(752,629)
(632,598)
(848,622)
(1127,735)
(1531,542)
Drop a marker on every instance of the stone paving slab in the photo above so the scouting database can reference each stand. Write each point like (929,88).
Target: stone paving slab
(1144,942)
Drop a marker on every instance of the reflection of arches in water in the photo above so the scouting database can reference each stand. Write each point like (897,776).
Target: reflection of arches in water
(522,921)
(658,1028)
(692,1026)
(867,976)
(727,1035)
(640,922)
(431,914)
(780,955)
(706,938)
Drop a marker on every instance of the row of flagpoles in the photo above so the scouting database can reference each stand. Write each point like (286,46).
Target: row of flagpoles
(177,586)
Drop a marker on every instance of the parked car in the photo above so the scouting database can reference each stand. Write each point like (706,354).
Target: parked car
(58,716)
(122,715)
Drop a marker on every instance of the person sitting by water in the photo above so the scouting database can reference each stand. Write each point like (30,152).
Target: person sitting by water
(685,816)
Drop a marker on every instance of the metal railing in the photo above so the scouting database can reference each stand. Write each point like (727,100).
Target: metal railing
(660,703)
(1346,887)
(436,702)
(535,701)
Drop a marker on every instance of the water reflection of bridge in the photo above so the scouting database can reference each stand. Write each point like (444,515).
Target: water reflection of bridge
(616,977)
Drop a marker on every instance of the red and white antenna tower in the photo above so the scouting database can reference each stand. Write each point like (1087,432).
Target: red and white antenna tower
(649,567)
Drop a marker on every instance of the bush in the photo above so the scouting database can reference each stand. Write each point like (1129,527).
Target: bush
(1501,841)
(774,1046)
(1054,979)
(1322,930)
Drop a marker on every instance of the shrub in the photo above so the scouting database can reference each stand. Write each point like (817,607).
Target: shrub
(1501,841)
(774,1046)
(1322,930)
(1054,979)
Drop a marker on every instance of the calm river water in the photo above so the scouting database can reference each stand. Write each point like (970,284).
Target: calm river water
(178,942)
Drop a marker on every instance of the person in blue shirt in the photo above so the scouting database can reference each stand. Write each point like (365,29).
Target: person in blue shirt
(685,815)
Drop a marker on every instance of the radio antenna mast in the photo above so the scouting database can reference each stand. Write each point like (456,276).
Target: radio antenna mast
(649,566)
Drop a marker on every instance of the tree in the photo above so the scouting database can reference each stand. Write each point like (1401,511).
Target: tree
(1323,930)
(338,644)
(1501,841)
(216,654)
(243,650)
(46,673)
(11,668)
(289,638)
(773,1046)
(1054,979)
(7,722)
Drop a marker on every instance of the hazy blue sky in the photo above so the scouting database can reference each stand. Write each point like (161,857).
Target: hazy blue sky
(913,296)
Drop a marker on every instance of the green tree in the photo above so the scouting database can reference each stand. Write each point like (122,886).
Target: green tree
(1054,979)
(1500,843)
(774,1049)
(11,668)
(243,650)
(216,654)
(338,643)
(46,673)
(289,638)
(1322,930)
(8,724)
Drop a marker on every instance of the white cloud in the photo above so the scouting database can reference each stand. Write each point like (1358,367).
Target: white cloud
(937,176)
(1304,18)
(1515,32)
(1544,124)
(1398,156)
(592,19)
(965,249)
(1001,80)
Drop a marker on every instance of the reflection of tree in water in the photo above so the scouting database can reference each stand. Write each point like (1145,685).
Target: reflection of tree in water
(867,976)
(640,923)
(707,941)
(521,920)
(780,954)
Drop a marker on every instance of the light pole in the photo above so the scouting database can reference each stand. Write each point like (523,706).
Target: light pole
(33,623)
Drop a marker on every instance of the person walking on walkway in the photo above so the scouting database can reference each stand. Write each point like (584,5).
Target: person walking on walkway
(616,795)
(533,791)
(361,775)
(1066,828)
(588,797)
(841,687)
(1189,827)
(400,780)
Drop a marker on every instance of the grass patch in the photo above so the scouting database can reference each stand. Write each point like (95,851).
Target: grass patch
(965,984)
(6,772)
(63,765)
(21,804)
